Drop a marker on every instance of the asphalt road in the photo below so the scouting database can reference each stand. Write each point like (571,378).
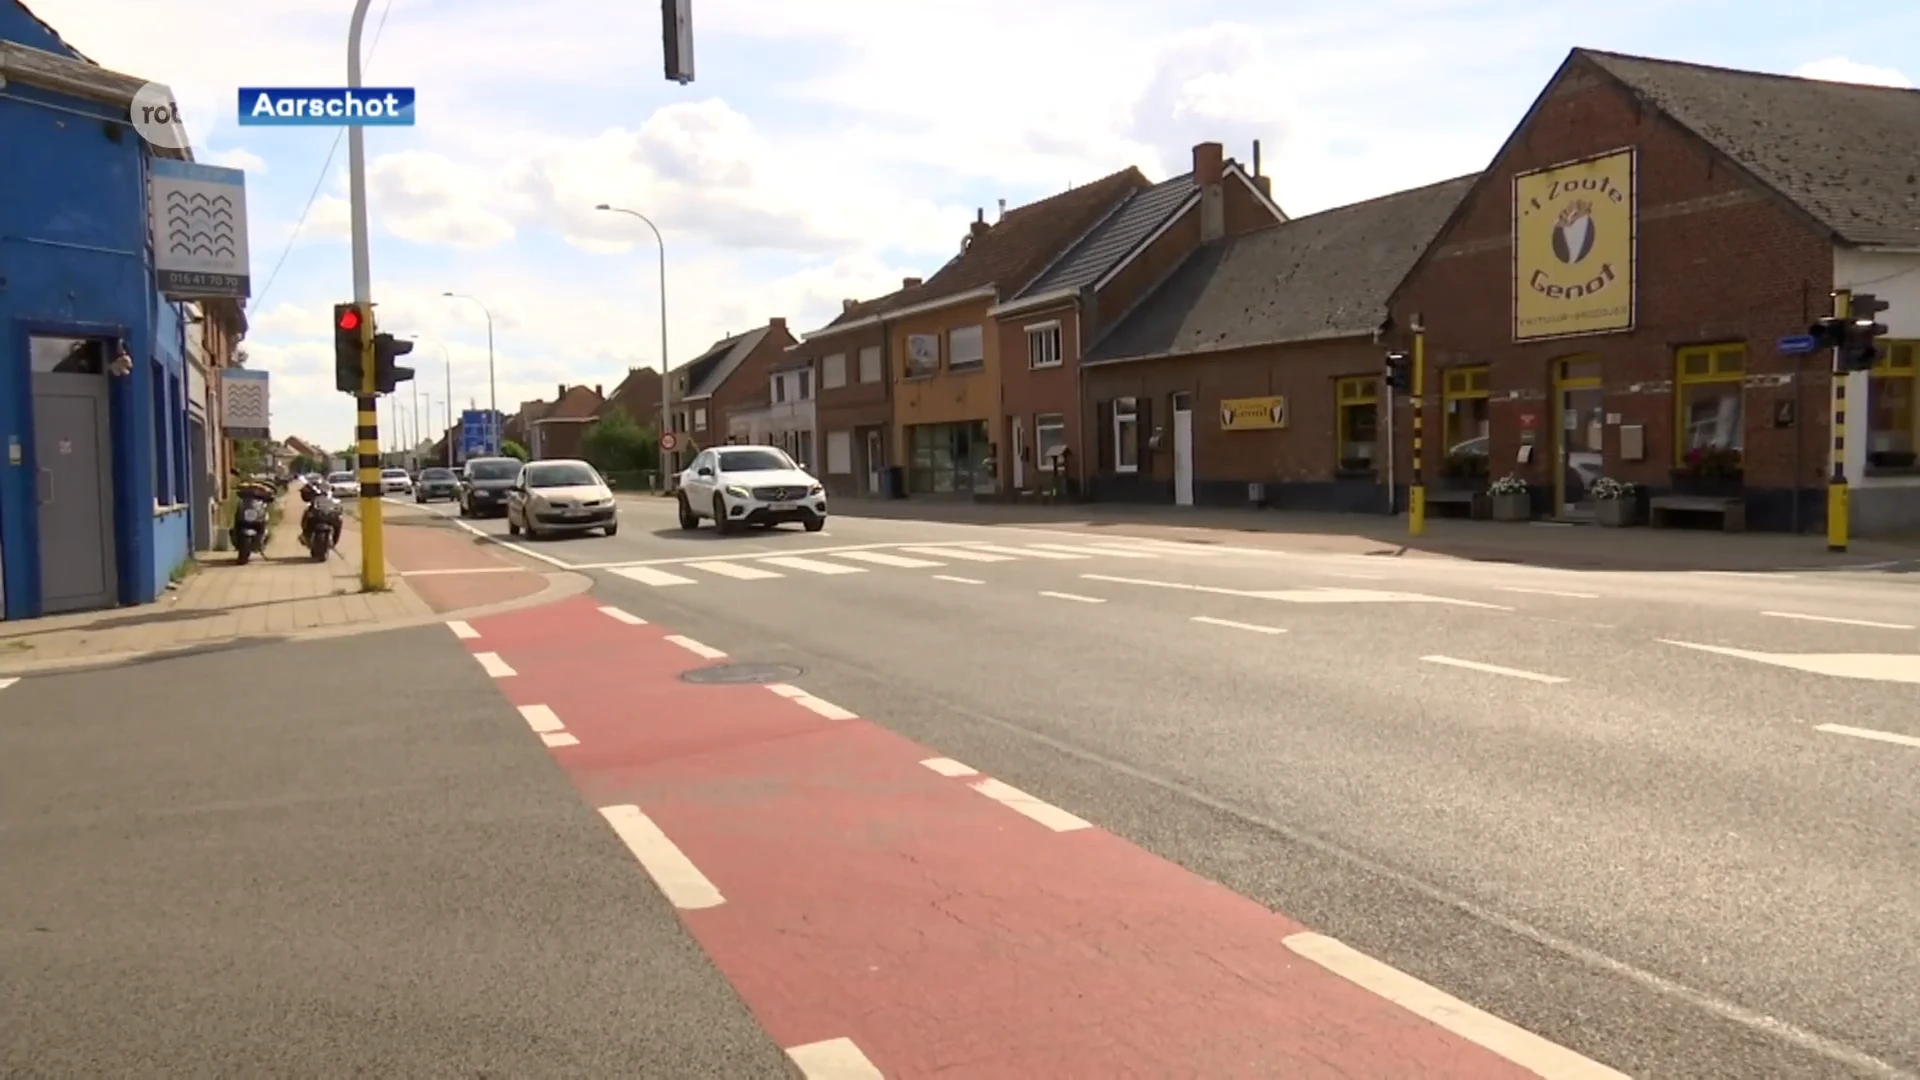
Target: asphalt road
(334,858)
(1534,789)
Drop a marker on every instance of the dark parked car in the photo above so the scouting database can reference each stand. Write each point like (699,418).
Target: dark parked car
(435,484)
(484,484)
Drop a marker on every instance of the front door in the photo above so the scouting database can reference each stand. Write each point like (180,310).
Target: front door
(74,490)
(1019,454)
(876,461)
(1579,438)
(1183,449)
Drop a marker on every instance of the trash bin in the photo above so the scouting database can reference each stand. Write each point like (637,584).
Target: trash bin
(893,482)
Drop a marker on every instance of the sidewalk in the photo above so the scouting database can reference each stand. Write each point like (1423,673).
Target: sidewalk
(1573,547)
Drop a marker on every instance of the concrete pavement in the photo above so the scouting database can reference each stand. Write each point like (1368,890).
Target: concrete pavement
(330,858)
(1505,781)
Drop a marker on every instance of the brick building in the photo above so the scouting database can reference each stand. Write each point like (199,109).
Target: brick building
(854,404)
(1255,364)
(1041,330)
(638,396)
(705,389)
(561,427)
(1608,298)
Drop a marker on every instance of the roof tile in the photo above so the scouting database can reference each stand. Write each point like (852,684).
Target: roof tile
(1114,239)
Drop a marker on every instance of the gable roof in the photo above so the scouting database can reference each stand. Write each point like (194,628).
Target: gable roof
(1008,254)
(1847,155)
(1326,275)
(707,371)
(1111,241)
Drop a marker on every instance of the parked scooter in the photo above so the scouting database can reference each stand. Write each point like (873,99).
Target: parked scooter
(320,524)
(249,532)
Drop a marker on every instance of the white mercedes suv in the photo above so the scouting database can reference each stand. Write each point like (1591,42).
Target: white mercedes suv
(739,486)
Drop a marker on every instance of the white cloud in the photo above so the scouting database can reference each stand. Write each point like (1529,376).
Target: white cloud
(1841,69)
(237,158)
(429,199)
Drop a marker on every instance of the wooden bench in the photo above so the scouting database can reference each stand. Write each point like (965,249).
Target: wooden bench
(1732,510)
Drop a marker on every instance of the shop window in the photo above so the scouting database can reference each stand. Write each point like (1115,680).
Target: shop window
(1893,424)
(1043,345)
(1049,439)
(162,474)
(966,348)
(1126,435)
(945,458)
(1357,402)
(1709,399)
(1465,394)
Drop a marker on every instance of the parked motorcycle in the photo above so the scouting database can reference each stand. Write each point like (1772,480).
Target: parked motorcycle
(321,522)
(249,532)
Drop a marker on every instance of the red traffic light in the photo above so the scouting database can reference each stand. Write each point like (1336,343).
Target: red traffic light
(350,319)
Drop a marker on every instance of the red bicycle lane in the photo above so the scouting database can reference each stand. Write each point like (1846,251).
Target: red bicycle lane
(888,911)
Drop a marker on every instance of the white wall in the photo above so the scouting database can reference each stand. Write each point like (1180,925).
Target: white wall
(1881,502)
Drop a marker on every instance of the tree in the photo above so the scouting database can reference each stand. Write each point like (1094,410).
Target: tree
(616,444)
(514,450)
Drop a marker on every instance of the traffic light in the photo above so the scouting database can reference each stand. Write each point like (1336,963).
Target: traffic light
(349,324)
(1856,336)
(676,30)
(1399,371)
(386,374)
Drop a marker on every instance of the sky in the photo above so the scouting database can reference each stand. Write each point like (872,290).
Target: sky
(827,148)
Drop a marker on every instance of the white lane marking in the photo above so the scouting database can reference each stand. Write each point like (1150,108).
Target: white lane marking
(1525,1049)
(1837,621)
(958,580)
(491,663)
(646,576)
(1232,625)
(495,538)
(946,766)
(463,631)
(1161,547)
(1075,597)
(684,885)
(559,738)
(1877,667)
(1305,596)
(1739,574)
(541,718)
(1550,592)
(812,566)
(1086,549)
(1026,552)
(618,615)
(1351,577)
(1026,805)
(807,701)
(932,548)
(733,570)
(833,1059)
(963,554)
(4,683)
(1493,669)
(1869,733)
(706,652)
(881,558)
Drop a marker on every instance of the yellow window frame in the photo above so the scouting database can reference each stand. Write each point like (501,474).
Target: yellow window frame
(1348,392)
(1899,360)
(1461,384)
(1701,365)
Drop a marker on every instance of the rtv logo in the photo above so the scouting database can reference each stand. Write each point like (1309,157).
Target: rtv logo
(174,120)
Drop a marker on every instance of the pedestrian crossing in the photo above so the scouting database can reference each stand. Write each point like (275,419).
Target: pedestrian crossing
(905,557)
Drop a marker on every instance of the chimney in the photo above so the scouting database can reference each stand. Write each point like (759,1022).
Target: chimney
(911,283)
(562,393)
(847,305)
(1209,166)
(1256,157)
(979,227)
(1209,163)
(778,322)
(1265,184)
(1003,210)
(600,391)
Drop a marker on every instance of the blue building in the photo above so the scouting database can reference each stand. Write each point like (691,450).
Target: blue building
(107,461)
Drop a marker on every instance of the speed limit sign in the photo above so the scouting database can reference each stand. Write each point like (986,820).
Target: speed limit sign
(668,440)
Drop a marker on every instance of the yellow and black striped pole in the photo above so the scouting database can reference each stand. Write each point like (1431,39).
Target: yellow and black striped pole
(373,548)
(1837,507)
(1417,494)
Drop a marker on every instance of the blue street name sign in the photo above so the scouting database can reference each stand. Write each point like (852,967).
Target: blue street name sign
(1797,345)
(477,433)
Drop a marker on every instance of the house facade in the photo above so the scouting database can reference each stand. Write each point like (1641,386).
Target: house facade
(851,359)
(766,398)
(100,483)
(1251,374)
(1609,296)
(704,389)
(561,430)
(1042,331)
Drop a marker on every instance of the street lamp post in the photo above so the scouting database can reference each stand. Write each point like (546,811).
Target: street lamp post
(666,385)
(493,397)
(446,361)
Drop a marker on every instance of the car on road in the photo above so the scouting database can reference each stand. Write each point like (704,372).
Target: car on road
(561,496)
(484,483)
(750,485)
(395,482)
(436,484)
(343,485)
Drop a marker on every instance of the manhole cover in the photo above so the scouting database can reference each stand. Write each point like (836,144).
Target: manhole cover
(744,673)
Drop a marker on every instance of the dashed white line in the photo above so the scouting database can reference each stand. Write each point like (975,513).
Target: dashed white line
(1739,574)
(1232,625)
(812,704)
(946,766)
(1523,1048)
(541,719)
(1027,806)
(1869,733)
(559,738)
(463,631)
(1075,597)
(705,652)
(684,885)
(1493,669)
(1550,592)
(958,580)
(833,1059)
(627,617)
(491,663)
(4,683)
(1837,621)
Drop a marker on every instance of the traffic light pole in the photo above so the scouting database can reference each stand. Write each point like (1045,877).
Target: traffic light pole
(373,553)
(1417,492)
(1837,491)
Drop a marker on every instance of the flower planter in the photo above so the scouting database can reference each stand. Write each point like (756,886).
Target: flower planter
(1617,513)
(1512,506)
(1694,485)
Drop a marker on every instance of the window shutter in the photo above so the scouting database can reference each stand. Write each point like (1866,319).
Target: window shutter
(1103,436)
